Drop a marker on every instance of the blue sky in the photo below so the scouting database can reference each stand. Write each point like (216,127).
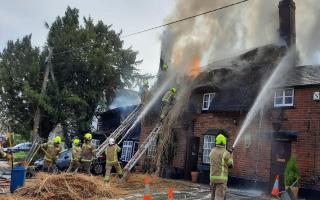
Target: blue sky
(19,18)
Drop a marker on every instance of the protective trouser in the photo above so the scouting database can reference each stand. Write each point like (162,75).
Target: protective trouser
(48,166)
(109,166)
(74,166)
(164,110)
(86,166)
(218,191)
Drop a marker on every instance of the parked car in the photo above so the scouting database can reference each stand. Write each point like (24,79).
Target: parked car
(26,146)
(63,162)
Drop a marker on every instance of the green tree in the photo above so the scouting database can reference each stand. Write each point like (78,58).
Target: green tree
(19,66)
(89,64)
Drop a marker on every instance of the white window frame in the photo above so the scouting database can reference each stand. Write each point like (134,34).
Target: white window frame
(208,145)
(210,98)
(152,148)
(127,148)
(283,96)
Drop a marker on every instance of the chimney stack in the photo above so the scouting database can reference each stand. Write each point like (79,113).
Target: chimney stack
(287,26)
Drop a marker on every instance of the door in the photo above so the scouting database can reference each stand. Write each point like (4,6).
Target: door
(281,152)
(192,155)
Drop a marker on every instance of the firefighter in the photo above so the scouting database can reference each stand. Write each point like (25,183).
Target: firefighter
(220,161)
(167,101)
(52,151)
(144,91)
(76,153)
(112,159)
(87,153)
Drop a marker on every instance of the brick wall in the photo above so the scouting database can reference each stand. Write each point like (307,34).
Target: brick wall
(304,117)
(247,161)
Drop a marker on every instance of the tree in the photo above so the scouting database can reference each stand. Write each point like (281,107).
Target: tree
(19,66)
(89,64)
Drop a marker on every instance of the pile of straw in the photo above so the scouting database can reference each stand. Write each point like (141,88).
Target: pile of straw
(65,187)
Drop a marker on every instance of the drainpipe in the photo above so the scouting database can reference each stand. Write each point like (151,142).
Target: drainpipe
(259,137)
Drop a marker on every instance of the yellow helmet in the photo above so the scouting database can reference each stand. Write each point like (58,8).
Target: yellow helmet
(221,140)
(88,136)
(174,90)
(76,142)
(146,82)
(165,67)
(57,140)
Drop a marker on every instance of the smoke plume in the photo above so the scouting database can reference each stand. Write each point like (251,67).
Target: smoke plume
(225,32)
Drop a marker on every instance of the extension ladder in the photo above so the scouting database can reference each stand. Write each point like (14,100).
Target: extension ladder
(142,149)
(124,126)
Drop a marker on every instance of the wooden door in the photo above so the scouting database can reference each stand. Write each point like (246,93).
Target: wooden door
(192,155)
(281,152)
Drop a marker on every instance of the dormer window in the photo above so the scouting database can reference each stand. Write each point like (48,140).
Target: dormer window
(207,99)
(284,97)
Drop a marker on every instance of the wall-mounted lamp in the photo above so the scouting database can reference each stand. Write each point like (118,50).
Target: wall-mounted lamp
(235,121)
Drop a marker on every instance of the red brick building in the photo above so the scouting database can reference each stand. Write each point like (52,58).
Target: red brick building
(289,124)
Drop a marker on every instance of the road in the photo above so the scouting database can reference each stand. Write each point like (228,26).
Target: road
(198,191)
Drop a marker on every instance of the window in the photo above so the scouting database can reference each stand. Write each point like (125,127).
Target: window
(207,99)
(126,153)
(283,97)
(152,148)
(208,144)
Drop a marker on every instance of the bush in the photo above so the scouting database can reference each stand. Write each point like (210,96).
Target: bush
(291,173)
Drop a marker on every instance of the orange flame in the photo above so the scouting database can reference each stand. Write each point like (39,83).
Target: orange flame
(195,68)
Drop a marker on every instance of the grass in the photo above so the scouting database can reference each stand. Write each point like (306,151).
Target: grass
(20,155)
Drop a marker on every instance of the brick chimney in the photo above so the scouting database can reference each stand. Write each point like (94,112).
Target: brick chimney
(287,21)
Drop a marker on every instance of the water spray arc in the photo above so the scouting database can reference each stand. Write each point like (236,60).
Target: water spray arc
(277,76)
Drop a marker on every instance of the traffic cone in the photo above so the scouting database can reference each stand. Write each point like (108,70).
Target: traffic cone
(147,194)
(275,189)
(170,194)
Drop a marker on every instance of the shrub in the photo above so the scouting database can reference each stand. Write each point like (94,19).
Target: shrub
(291,173)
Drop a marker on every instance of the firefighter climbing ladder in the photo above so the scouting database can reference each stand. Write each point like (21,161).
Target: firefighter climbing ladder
(142,149)
(125,124)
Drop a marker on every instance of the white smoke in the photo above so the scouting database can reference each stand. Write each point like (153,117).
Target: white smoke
(251,24)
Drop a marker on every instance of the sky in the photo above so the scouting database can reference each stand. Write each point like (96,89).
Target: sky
(19,18)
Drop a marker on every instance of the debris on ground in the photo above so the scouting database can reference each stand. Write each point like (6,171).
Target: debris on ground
(63,187)
(67,186)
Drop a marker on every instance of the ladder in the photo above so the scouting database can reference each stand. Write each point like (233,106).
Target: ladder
(142,149)
(33,150)
(125,124)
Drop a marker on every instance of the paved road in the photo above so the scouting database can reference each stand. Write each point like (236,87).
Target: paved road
(203,192)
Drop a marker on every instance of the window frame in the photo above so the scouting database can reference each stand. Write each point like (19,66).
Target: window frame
(151,151)
(127,149)
(283,97)
(210,99)
(207,149)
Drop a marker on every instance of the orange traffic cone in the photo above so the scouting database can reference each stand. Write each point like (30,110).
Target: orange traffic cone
(170,194)
(147,194)
(275,189)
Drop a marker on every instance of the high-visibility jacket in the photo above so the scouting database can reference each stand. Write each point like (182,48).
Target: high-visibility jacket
(76,153)
(2,153)
(87,152)
(52,151)
(112,154)
(220,161)
(168,97)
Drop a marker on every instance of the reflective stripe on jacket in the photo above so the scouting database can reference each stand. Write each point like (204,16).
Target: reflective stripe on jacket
(52,151)
(76,153)
(87,152)
(220,160)
(112,154)
(168,97)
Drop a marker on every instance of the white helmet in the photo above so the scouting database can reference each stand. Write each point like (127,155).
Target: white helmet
(111,141)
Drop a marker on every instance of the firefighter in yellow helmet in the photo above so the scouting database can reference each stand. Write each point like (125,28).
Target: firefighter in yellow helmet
(167,101)
(52,150)
(144,91)
(220,161)
(112,159)
(87,153)
(75,158)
